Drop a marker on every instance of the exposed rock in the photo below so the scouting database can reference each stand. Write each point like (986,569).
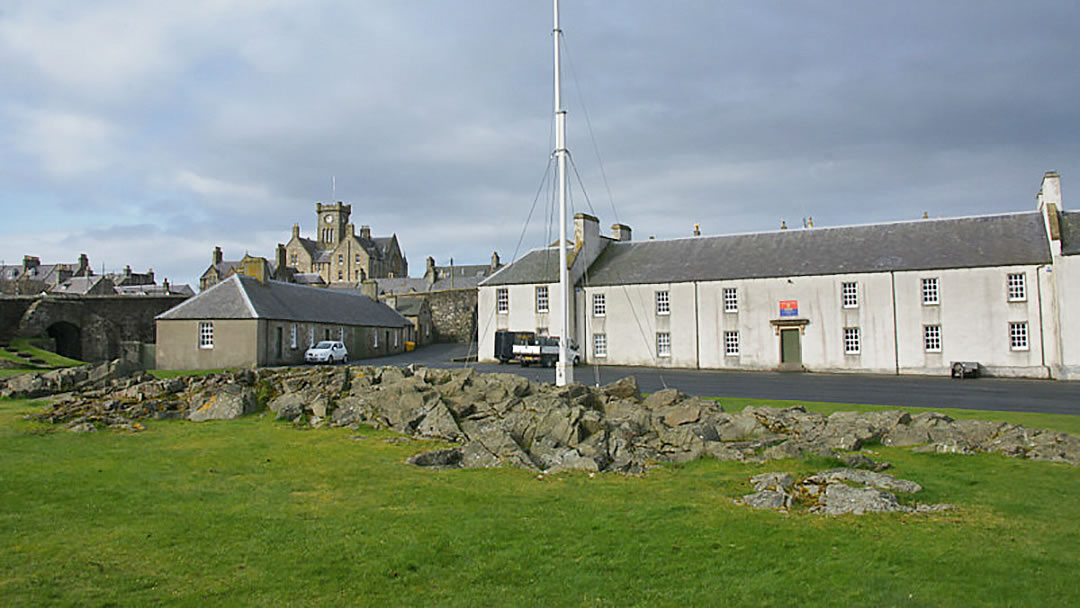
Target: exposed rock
(829,493)
(225,403)
(438,459)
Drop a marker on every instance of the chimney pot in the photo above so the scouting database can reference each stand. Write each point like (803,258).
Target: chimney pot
(620,232)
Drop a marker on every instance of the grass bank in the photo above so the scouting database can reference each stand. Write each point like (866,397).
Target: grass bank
(255,512)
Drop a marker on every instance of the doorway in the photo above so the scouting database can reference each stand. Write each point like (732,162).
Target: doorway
(791,349)
(68,339)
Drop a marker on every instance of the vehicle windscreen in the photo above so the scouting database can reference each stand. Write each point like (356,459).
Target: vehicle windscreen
(324,345)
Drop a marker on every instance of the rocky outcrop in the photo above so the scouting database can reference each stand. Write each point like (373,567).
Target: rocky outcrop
(505,420)
(835,492)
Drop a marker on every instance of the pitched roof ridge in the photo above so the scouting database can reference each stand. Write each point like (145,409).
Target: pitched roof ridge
(246,297)
(188,301)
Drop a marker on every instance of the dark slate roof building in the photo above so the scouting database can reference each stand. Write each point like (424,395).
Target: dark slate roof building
(243,297)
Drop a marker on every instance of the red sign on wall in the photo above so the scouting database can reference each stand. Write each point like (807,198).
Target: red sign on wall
(789,308)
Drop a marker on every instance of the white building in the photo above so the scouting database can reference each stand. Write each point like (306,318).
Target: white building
(902,298)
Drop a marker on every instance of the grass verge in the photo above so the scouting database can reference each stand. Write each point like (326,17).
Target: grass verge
(256,512)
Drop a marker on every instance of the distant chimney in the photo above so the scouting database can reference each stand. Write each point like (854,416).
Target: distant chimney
(365,233)
(279,259)
(216,258)
(810,221)
(84,265)
(370,289)
(429,271)
(150,276)
(495,263)
(30,262)
(1050,192)
(127,270)
(697,229)
(165,285)
(783,225)
(586,229)
(620,232)
(296,231)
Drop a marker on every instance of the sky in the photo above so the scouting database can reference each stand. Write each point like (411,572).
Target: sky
(147,133)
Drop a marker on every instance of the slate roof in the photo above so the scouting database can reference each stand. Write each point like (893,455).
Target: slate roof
(992,240)
(536,266)
(410,307)
(79,285)
(406,285)
(243,297)
(1070,232)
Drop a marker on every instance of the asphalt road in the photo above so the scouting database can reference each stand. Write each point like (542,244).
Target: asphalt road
(996,394)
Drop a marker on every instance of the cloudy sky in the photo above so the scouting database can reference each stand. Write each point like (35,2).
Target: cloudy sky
(146,133)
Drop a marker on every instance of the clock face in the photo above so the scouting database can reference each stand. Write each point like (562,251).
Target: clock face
(329,218)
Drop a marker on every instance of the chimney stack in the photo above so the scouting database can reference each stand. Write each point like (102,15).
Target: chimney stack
(365,233)
(217,257)
(1050,192)
(127,270)
(586,229)
(84,266)
(495,262)
(697,229)
(620,232)
(165,285)
(280,258)
(296,231)
(429,271)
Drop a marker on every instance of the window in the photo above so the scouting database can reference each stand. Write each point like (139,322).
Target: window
(1018,336)
(849,295)
(375,339)
(340,259)
(542,299)
(731,300)
(502,300)
(852,342)
(396,334)
(339,275)
(663,303)
(932,338)
(292,259)
(206,334)
(929,291)
(358,258)
(731,343)
(663,344)
(599,345)
(293,336)
(1017,288)
(599,307)
(311,336)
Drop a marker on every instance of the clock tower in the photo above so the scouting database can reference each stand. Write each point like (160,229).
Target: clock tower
(331,220)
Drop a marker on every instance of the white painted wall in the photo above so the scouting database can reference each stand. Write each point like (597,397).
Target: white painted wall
(521,316)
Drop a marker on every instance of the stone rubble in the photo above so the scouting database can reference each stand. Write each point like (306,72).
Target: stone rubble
(504,420)
(835,492)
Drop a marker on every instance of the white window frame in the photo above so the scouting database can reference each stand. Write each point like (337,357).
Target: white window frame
(731,299)
(599,305)
(375,342)
(542,303)
(397,334)
(206,334)
(849,294)
(932,338)
(663,302)
(599,345)
(1016,286)
(1018,336)
(311,336)
(931,294)
(663,344)
(852,341)
(731,343)
(293,336)
(502,300)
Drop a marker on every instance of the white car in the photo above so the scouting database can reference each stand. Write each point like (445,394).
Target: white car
(327,352)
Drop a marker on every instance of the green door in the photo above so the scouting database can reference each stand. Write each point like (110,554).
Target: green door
(790,349)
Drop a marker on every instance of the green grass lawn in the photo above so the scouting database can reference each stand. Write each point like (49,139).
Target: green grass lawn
(255,512)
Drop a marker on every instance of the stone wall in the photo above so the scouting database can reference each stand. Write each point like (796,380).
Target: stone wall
(97,324)
(453,314)
(11,310)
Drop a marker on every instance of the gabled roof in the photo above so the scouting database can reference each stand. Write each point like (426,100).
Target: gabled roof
(410,307)
(242,297)
(223,269)
(992,240)
(536,266)
(1070,232)
(79,285)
